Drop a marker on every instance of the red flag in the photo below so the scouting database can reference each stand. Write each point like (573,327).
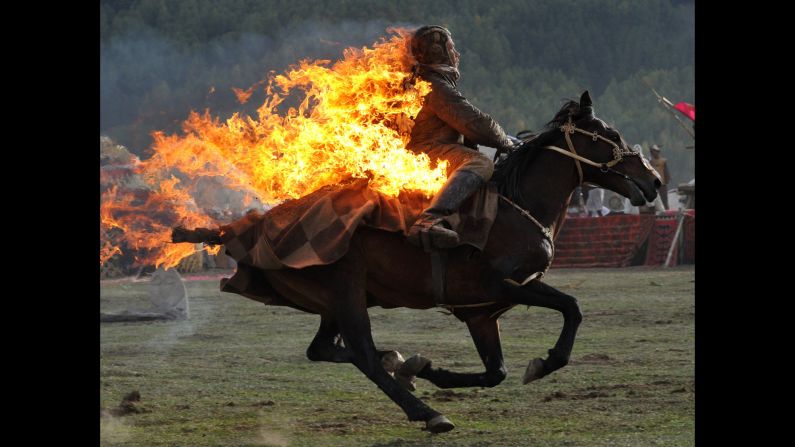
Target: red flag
(688,110)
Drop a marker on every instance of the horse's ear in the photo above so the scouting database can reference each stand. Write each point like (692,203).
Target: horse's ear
(585,100)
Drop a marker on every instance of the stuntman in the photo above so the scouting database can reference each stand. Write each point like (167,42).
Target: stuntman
(448,127)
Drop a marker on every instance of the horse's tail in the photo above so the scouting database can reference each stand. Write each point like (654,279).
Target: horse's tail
(196,236)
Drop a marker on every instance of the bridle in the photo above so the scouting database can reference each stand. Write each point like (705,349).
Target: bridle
(619,152)
(568,130)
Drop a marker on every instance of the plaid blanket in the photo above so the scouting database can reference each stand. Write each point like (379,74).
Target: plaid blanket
(316,229)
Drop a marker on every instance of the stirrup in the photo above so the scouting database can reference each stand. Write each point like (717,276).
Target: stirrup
(428,232)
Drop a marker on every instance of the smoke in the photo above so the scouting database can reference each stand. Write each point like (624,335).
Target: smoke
(149,82)
(113,431)
(268,438)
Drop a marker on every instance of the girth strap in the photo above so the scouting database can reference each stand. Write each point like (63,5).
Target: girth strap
(438,274)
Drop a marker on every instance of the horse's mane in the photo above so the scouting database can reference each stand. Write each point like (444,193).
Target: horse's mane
(508,172)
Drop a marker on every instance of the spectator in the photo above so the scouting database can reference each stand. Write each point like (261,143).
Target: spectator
(595,202)
(659,165)
(577,204)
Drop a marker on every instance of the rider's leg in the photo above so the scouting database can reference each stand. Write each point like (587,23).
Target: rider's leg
(469,171)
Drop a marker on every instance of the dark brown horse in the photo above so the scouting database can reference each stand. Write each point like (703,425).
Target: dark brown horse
(382,269)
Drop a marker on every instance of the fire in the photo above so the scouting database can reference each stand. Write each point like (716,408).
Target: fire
(354,119)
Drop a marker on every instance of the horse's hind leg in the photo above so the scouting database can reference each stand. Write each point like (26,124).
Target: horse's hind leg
(485,332)
(536,293)
(347,282)
(328,346)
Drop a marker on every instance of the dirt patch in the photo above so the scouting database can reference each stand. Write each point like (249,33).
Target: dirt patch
(130,404)
(575,396)
(201,337)
(450,395)
(609,313)
(555,395)
(634,390)
(590,395)
(447,395)
(343,423)
(593,358)
(616,386)
(265,403)
(599,313)
(123,373)
(330,427)
(689,387)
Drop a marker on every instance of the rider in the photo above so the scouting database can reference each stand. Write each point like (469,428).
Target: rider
(448,127)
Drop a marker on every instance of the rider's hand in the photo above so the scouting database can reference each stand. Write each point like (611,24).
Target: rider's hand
(514,140)
(514,144)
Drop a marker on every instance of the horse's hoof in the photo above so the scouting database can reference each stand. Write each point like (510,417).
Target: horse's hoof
(406,382)
(392,361)
(439,424)
(534,371)
(413,365)
(406,375)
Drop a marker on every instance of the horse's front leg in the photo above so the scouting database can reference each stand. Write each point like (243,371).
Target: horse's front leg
(485,333)
(536,293)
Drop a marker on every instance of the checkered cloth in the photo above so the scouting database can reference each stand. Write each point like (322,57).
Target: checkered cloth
(317,229)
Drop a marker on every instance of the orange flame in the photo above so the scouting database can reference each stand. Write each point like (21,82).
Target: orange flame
(354,120)
(243,95)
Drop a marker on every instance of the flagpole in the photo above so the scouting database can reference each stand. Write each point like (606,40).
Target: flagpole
(669,106)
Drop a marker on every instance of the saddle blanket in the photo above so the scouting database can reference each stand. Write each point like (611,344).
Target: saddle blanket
(317,229)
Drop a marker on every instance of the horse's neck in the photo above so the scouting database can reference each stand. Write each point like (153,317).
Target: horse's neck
(547,186)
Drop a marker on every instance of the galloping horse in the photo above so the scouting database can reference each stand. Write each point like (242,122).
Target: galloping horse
(536,182)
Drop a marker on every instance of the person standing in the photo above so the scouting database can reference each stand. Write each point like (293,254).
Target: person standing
(660,165)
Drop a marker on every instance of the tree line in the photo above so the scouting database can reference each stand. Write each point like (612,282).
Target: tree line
(520,60)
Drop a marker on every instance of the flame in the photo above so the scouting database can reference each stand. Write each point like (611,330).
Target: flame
(108,251)
(354,119)
(243,95)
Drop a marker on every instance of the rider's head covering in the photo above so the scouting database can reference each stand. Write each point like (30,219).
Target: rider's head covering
(429,45)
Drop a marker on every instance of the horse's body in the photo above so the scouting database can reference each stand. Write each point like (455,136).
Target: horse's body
(383,269)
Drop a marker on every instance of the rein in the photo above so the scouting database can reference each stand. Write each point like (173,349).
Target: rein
(569,129)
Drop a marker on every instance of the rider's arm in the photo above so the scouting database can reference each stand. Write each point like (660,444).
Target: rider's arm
(461,115)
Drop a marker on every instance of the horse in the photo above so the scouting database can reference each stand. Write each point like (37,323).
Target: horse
(535,183)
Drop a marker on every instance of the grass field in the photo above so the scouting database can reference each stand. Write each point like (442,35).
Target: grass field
(235,374)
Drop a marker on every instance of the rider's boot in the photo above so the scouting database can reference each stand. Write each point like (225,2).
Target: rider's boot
(429,230)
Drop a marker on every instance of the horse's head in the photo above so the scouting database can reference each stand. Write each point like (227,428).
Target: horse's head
(602,156)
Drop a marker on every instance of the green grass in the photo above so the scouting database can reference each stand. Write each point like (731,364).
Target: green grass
(235,374)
